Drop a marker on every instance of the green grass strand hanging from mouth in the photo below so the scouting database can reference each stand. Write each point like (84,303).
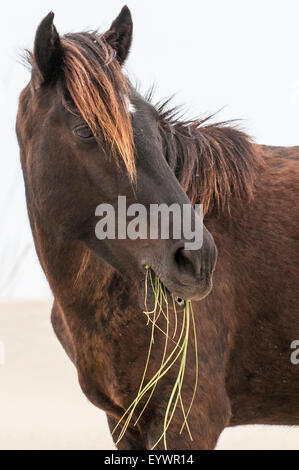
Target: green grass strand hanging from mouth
(177,355)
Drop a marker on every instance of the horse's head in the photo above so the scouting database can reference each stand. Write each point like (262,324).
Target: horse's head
(87,137)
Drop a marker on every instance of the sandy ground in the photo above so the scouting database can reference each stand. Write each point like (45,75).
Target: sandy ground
(42,406)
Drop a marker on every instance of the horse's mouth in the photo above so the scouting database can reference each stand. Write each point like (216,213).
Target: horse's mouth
(176,296)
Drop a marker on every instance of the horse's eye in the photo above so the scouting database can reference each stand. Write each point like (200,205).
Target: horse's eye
(84,132)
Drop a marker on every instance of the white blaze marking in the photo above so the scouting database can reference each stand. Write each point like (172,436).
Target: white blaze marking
(131,108)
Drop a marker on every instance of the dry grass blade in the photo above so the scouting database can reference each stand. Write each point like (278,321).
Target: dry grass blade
(178,355)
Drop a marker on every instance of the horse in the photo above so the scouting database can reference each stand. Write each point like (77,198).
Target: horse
(86,135)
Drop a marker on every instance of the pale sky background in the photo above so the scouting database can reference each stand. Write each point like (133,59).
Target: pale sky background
(240,55)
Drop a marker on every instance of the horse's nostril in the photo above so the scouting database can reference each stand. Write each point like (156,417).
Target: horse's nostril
(186,262)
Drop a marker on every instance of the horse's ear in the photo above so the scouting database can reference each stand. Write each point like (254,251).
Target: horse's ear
(47,52)
(119,36)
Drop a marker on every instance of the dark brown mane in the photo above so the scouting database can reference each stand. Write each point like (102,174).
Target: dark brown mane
(211,161)
(99,90)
